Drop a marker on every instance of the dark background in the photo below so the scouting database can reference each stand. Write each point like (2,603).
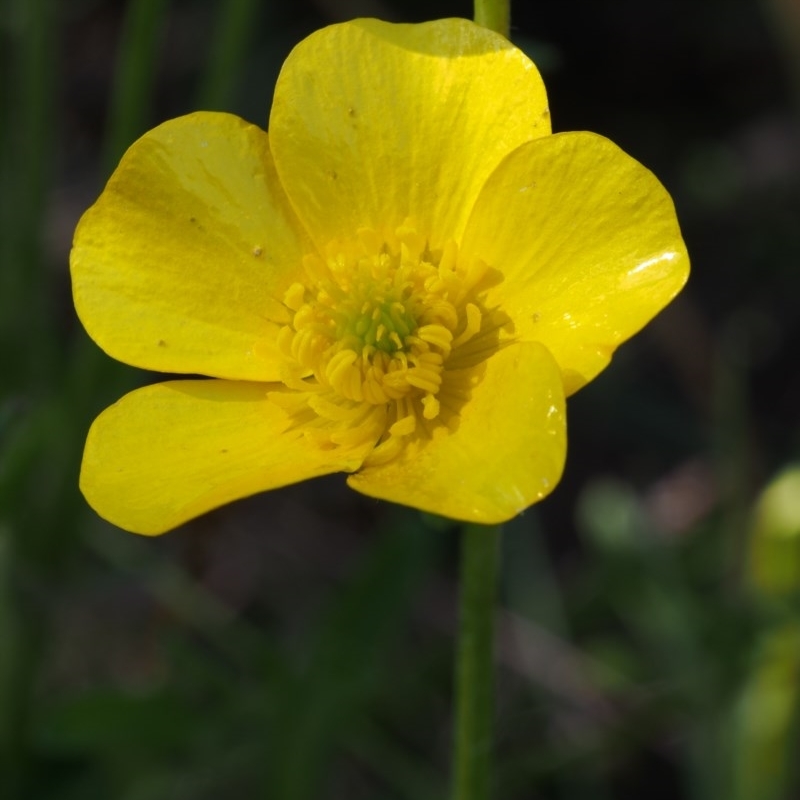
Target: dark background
(299,644)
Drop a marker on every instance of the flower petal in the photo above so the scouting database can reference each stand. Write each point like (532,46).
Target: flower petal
(176,266)
(172,451)
(373,123)
(588,243)
(506,454)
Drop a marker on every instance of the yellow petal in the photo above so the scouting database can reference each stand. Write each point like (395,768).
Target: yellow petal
(506,454)
(372,123)
(177,265)
(588,243)
(172,451)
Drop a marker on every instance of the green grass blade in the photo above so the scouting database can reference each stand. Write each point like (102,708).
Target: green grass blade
(229,50)
(132,92)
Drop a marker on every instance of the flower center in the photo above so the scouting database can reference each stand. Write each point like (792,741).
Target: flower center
(374,330)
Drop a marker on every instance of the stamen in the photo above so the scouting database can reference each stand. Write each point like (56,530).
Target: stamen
(385,452)
(295,296)
(427,380)
(473,325)
(403,427)
(333,411)
(437,335)
(430,407)
(371,336)
(447,263)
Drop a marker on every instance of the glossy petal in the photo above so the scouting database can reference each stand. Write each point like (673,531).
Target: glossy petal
(172,451)
(507,452)
(588,243)
(176,265)
(372,123)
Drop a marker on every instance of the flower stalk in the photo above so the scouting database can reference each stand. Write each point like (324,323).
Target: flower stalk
(475,663)
(480,547)
(494,15)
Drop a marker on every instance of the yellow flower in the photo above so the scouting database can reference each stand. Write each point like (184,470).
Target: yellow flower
(402,280)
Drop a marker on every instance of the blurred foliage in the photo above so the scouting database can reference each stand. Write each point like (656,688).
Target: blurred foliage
(299,644)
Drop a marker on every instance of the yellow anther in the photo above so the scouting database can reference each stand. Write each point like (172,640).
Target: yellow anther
(428,358)
(442,313)
(352,385)
(430,407)
(412,242)
(447,263)
(366,431)
(295,296)
(473,325)
(338,365)
(333,411)
(477,269)
(437,335)
(374,392)
(386,451)
(426,380)
(284,340)
(404,426)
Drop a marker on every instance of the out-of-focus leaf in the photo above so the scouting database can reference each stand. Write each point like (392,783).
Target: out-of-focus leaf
(766,719)
(107,720)
(774,563)
(347,660)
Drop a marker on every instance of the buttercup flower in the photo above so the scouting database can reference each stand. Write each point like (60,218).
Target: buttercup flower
(402,280)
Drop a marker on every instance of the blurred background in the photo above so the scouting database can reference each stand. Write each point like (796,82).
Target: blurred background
(299,644)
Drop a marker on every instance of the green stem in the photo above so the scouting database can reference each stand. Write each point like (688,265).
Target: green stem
(494,14)
(475,663)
